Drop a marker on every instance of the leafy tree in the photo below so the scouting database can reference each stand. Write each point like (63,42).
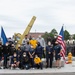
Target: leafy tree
(51,35)
(54,32)
(66,35)
(45,35)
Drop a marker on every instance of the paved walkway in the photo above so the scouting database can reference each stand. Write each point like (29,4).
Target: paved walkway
(66,68)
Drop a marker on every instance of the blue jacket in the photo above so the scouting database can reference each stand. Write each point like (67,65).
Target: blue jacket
(49,49)
(39,50)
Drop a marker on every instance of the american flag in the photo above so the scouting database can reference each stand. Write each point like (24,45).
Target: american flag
(60,40)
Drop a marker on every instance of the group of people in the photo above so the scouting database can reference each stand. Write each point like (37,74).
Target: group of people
(30,54)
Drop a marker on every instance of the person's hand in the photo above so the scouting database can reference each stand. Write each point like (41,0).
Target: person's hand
(49,52)
(31,56)
(14,61)
(58,53)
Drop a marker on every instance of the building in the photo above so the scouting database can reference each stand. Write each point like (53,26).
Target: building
(35,35)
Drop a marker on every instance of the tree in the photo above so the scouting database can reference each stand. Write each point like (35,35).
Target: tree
(66,35)
(45,35)
(54,32)
(49,36)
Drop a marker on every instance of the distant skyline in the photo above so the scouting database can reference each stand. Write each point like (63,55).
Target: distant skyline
(15,15)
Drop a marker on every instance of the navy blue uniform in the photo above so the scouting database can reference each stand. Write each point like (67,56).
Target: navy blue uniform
(49,55)
(5,54)
(39,51)
(57,50)
(12,50)
(19,54)
(32,52)
(14,59)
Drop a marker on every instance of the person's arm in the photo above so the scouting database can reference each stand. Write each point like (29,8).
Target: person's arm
(60,52)
(44,45)
(30,55)
(29,51)
(54,51)
(33,53)
(46,49)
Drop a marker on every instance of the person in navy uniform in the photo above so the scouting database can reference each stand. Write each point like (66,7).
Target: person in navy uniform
(5,54)
(31,56)
(14,61)
(49,55)
(39,50)
(57,51)
(19,52)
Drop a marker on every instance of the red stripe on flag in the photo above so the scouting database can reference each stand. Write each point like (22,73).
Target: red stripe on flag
(61,42)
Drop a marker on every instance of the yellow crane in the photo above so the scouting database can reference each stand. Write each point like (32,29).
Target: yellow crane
(26,32)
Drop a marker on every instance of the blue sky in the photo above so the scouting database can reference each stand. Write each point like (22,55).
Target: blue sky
(16,14)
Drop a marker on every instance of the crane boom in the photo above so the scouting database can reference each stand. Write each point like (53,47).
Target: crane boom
(26,32)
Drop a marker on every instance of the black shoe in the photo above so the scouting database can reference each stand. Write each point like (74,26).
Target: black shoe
(50,66)
(6,67)
(37,67)
(41,68)
(46,66)
(3,67)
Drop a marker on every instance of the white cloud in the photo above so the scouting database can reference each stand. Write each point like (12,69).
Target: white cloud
(15,15)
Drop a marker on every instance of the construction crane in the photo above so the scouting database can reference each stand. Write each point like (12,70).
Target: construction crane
(26,32)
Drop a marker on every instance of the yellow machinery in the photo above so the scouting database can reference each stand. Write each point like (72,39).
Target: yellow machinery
(26,32)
